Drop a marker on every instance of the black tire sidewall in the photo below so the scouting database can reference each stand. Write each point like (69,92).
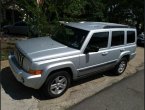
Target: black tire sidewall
(47,84)
(117,66)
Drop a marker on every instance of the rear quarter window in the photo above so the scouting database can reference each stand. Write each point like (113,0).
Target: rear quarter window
(130,36)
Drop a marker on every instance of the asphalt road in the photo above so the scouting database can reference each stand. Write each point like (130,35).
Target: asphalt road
(128,94)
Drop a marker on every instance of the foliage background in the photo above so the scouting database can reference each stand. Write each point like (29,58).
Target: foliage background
(46,16)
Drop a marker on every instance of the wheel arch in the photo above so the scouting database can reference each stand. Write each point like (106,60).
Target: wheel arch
(62,66)
(125,55)
(68,69)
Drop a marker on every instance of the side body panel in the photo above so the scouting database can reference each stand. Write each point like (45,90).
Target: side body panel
(96,61)
(49,66)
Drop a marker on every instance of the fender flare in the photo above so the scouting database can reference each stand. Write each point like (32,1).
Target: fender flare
(123,54)
(56,66)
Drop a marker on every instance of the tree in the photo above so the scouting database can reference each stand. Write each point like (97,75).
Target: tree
(124,11)
(45,14)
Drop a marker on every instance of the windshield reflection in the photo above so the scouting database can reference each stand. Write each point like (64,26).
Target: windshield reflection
(70,36)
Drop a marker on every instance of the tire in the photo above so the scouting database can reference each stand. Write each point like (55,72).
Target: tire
(55,86)
(121,66)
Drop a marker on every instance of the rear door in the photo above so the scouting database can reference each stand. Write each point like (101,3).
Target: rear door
(94,61)
(117,44)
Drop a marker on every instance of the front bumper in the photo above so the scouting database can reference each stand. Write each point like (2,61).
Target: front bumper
(22,76)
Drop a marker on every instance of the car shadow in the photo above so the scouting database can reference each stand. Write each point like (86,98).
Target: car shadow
(15,89)
(18,91)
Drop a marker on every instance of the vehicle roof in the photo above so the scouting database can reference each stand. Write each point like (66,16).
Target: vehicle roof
(88,26)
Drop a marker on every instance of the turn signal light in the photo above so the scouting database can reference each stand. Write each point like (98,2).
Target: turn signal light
(35,72)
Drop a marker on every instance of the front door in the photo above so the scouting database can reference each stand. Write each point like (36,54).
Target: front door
(94,61)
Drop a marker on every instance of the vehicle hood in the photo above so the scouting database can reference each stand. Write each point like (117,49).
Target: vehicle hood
(44,48)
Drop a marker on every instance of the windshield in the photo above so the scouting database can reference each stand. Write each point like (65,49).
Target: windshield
(70,36)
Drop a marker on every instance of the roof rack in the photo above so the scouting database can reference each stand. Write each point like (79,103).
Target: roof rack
(85,25)
(109,26)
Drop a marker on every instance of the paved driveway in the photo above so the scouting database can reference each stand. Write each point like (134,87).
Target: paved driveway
(15,96)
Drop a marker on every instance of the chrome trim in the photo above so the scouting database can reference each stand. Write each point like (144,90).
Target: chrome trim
(19,57)
(23,77)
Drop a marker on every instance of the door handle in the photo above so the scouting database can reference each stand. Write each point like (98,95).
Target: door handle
(121,50)
(104,53)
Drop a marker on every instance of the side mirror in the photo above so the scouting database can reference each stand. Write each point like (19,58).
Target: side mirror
(91,48)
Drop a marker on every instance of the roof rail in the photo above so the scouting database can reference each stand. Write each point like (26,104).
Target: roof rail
(107,27)
(63,22)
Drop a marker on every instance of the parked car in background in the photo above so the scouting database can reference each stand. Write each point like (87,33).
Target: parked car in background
(20,28)
(76,50)
(141,39)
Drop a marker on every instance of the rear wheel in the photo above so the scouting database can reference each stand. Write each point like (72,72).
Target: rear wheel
(56,84)
(121,66)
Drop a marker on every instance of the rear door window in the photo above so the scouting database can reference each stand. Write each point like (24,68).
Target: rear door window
(117,38)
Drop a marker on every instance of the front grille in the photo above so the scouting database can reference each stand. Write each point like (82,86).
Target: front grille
(19,57)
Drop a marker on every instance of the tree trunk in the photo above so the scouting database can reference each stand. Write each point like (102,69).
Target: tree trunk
(1,18)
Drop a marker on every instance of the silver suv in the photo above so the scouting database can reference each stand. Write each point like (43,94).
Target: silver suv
(77,49)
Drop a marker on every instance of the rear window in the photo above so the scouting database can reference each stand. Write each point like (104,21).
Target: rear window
(130,36)
(117,38)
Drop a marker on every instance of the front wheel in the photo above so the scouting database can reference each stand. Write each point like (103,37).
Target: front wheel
(56,84)
(121,66)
